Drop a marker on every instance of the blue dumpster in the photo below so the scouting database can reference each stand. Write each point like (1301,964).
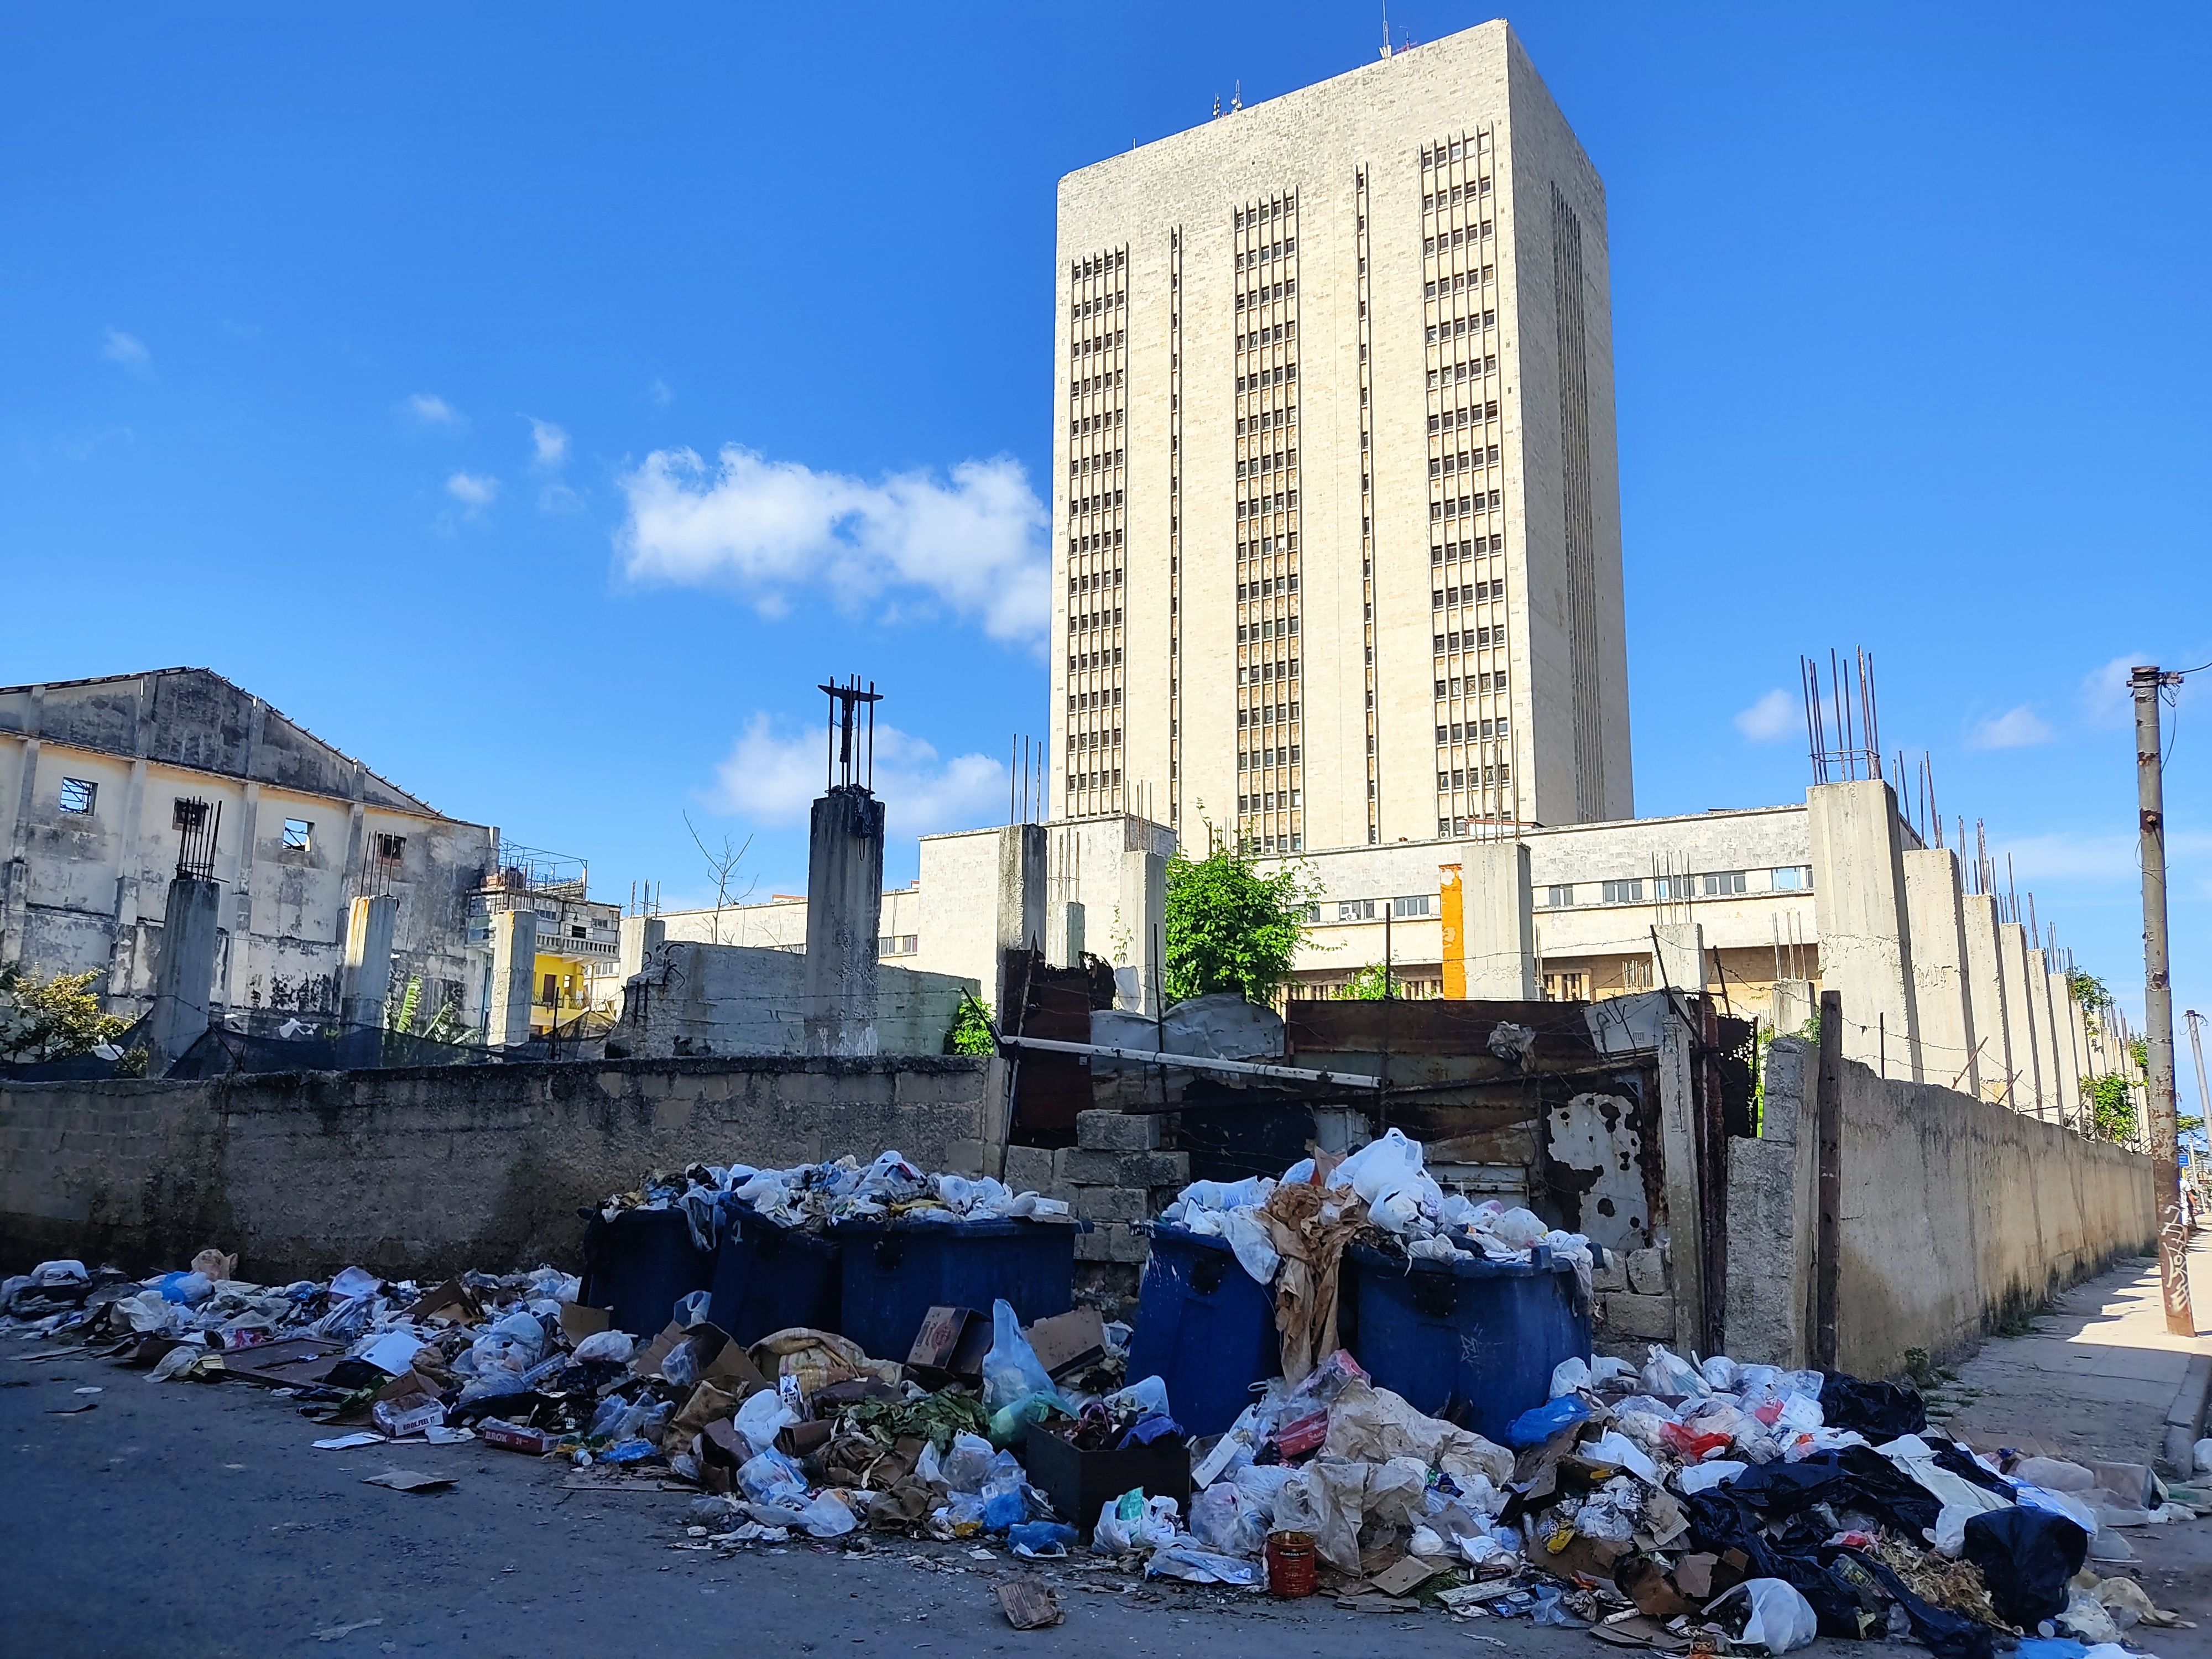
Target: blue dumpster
(895,1273)
(768,1277)
(1205,1327)
(641,1264)
(1472,1340)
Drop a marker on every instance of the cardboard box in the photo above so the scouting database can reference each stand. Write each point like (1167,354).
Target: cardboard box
(722,1361)
(1068,1342)
(579,1322)
(950,1346)
(1081,1483)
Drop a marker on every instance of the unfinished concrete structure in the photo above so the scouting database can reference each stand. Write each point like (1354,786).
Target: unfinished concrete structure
(844,908)
(96,779)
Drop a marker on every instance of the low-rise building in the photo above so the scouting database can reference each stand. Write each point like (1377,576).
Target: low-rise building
(101,780)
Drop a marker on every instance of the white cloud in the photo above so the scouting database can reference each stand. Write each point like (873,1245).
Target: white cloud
(2016,728)
(558,498)
(975,543)
(128,350)
(2106,699)
(473,491)
(549,443)
(659,393)
(431,409)
(1771,719)
(774,773)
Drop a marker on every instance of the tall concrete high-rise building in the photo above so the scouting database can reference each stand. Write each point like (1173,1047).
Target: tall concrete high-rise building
(1336,503)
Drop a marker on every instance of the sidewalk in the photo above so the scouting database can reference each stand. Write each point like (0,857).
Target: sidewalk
(2096,1378)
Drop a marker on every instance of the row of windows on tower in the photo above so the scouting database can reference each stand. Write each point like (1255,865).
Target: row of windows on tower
(1098,306)
(1095,343)
(1268,587)
(1464,459)
(1471,191)
(1097,265)
(1467,415)
(1270,251)
(1281,755)
(1102,578)
(1277,461)
(1473,593)
(1473,777)
(1459,326)
(1098,463)
(1274,334)
(1085,702)
(1253,297)
(1084,425)
(1448,552)
(1459,281)
(1453,150)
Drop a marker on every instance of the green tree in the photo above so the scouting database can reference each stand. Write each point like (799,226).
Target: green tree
(1231,928)
(971,1033)
(2112,1109)
(1372,983)
(53,1020)
(2092,994)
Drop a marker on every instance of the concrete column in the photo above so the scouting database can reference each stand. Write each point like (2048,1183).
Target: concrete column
(2065,1042)
(1985,996)
(1679,956)
(513,966)
(367,980)
(641,937)
(1070,938)
(184,974)
(2027,1093)
(2053,1093)
(1021,912)
(1143,902)
(1790,1003)
(844,919)
(1866,937)
(1489,923)
(1940,999)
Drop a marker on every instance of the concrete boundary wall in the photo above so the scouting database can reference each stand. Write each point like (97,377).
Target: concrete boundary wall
(1955,1212)
(432,1170)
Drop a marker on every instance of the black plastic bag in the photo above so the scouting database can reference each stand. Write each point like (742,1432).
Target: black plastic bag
(1946,1634)
(2026,1556)
(1880,1411)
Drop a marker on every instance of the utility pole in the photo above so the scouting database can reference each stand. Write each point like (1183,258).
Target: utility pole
(2158,1007)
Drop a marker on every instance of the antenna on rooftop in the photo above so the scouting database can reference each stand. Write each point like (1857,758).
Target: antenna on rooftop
(1236,98)
(1385,31)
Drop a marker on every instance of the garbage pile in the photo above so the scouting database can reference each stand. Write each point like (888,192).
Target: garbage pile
(810,1197)
(1396,1197)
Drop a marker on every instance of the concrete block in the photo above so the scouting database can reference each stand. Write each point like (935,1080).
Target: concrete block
(1086,1167)
(1610,1274)
(1029,1168)
(1647,1272)
(1650,1317)
(1104,1204)
(1118,1131)
(1112,1241)
(963,1157)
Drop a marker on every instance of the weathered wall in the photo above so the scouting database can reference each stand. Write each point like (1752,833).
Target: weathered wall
(432,1170)
(1954,1211)
(693,1001)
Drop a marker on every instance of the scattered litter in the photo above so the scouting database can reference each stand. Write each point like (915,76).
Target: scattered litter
(1029,1604)
(331,1632)
(408,1480)
(348,1442)
(74,1410)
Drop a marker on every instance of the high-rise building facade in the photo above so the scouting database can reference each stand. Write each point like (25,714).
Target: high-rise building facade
(1336,511)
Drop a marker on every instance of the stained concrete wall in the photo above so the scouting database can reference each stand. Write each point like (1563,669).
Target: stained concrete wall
(432,1170)
(1955,1213)
(1866,935)
(692,1001)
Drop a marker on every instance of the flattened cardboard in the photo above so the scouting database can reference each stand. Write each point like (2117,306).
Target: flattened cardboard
(299,1362)
(1405,1575)
(451,1303)
(1069,1342)
(724,1363)
(408,1480)
(579,1322)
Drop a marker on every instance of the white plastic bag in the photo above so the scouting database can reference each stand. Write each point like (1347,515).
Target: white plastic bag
(761,1418)
(1223,1518)
(1570,1375)
(615,1346)
(1781,1618)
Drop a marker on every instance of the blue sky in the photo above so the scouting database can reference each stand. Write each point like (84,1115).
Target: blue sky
(413,372)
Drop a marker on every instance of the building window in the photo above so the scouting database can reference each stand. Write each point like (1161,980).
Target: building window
(1624,892)
(187,813)
(1792,879)
(1355,910)
(897,944)
(1566,987)
(1719,884)
(1416,904)
(1560,897)
(298,834)
(77,795)
(389,848)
